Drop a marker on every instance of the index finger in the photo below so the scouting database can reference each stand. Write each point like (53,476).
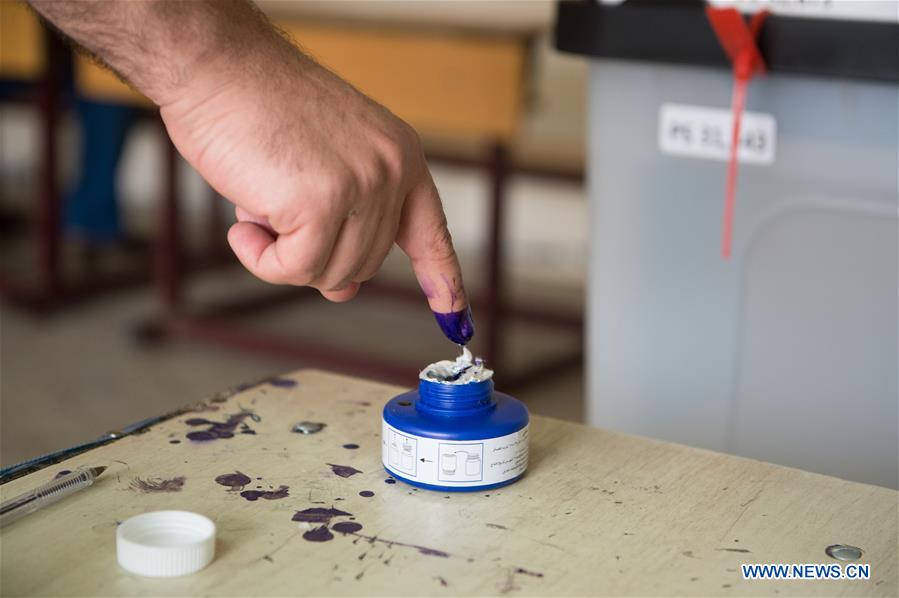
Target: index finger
(425,238)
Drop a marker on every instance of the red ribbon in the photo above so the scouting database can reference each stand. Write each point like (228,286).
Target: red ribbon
(739,43)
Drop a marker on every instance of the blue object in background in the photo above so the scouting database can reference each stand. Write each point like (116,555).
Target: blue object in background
(91,209)
(440,436)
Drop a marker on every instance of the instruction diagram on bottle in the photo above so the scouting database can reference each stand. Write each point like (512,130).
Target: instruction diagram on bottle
(461,462)
(403,453)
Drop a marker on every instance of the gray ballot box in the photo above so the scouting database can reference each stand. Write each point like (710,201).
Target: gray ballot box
(787,352)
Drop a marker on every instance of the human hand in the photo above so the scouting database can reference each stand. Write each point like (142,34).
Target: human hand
(324,179)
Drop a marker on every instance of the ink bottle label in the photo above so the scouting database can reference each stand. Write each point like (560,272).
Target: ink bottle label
(468,463)
(455,433)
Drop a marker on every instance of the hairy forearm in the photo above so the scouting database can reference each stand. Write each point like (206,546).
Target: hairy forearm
(164,47)
(324,179)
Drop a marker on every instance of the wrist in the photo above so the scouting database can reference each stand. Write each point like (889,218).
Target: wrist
(208,45)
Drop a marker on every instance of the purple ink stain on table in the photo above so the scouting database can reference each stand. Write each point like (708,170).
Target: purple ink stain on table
(351,446)
(427,551)
(252,495)
(61,473)
(367,493)
(283,382)
(457,326)
(235,481)
(319,534)
(319,515)
(526,572)
(391,543)
(344,471)
(347,527)
(151,485)
(323,516)
(218,430)
(390,481)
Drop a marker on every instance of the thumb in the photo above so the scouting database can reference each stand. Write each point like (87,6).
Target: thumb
(424,237)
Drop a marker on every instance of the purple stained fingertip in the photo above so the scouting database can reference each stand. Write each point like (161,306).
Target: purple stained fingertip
(458,326)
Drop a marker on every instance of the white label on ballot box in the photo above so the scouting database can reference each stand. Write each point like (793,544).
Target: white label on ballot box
(701,132)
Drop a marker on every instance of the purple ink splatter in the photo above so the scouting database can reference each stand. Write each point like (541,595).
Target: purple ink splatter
(235,481)
(457,326)
(347,527)
(426,551)
(442,581)
(421,549)
(319,534)
(390,481)
(344,471)
(366,493)
(319,515)
(252,495)
(283,382)
(360,403)
(323,534)
(526,572)
(218,430)
(351,446)
(151,485)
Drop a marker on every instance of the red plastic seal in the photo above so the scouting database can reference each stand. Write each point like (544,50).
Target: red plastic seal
(738,39)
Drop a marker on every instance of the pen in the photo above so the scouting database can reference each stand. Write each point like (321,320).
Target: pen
(47,494)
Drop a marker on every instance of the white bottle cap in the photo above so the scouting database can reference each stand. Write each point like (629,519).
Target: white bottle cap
(165,543)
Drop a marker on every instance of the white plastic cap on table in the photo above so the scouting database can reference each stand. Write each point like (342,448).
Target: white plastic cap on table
(165,543)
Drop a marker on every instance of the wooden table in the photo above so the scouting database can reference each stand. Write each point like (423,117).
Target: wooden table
(599,513)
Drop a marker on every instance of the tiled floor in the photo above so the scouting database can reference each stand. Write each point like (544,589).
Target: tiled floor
(72,376)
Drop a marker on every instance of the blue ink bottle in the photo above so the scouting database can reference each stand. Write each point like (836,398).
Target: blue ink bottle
(455,433)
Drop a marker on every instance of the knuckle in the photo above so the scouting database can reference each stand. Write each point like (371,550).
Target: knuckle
(397,148)
(335,187)
(372,177)
(367,273)
(304,275)
(302,279)
(393,154)
(409,137)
